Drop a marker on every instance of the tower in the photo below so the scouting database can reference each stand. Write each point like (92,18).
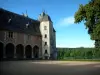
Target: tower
(48,35)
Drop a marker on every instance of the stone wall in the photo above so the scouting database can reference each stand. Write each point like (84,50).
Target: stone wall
(20,39)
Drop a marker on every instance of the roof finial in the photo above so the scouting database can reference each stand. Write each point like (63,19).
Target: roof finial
(26,14)
(43,10)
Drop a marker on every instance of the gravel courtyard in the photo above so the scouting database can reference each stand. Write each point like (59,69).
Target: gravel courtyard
(49,68)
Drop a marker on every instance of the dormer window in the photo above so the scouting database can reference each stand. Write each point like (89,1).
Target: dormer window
(9,20)
(27,25)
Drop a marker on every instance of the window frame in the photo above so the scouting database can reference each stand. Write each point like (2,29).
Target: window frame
(46,52)
(10,34)
(45,43)
(45,36)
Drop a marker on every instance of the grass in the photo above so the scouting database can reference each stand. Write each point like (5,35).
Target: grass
(94,60)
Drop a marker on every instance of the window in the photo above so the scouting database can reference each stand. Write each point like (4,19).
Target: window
(27,25)
(9,20)
(45,43)
(45,27)
(28,37)
(46,52)
(45,35)
(10,34)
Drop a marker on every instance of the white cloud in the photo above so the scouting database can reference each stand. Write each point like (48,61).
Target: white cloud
(66,21)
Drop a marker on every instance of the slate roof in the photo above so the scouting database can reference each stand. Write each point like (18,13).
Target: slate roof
(18,23)
(44,17)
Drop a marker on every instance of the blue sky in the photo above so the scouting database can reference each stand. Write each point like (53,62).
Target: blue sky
(61,12)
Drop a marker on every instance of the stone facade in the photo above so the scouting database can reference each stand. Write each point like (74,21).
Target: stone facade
(26,38)
(21,40)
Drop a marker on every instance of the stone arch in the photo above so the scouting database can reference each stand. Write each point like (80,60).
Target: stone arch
(20,51)
(9,50)
(1,50)
(36,51)
(28,51)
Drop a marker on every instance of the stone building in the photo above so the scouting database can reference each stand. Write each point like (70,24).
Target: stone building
(24,38)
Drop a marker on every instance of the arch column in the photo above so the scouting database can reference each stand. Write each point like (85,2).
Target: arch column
(4,52)
(24,53)
(32,54)
(14,52)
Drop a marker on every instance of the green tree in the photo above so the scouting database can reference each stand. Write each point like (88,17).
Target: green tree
(90,15)
(72,54)
(89,54)
(97,53)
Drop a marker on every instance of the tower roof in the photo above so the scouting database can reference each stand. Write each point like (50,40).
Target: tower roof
(44,17)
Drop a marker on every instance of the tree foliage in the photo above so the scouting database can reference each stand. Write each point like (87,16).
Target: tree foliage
(90,15)
(78,53)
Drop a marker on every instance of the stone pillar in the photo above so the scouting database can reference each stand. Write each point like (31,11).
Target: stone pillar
(32,54)
(24,53)
(4,52)
(40,54)
(14,52)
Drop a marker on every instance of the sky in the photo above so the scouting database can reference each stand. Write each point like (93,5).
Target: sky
(68,34)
